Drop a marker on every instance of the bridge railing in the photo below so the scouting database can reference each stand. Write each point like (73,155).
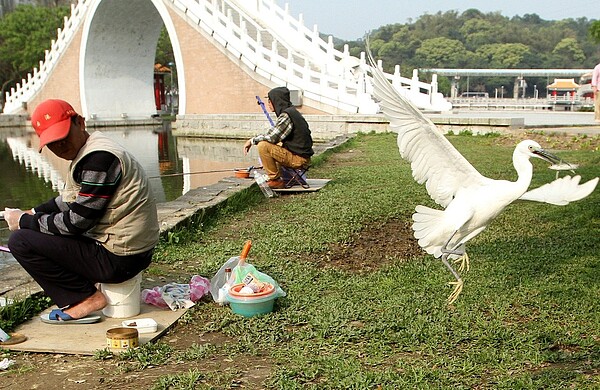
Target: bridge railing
(286,68)
(336,62)
(27,88)
(307,62)
(294,32)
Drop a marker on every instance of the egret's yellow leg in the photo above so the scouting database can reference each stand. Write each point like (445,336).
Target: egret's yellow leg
(458,285)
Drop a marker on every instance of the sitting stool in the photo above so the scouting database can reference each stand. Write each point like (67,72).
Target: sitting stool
(294,176)
(123,299)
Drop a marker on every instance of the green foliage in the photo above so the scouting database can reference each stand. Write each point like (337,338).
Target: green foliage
(189,380)
(197,352)
(149,354)
(442,50)
(21,311)
(25,34)
(595,31)
(485,40)
(164,49)
(570,50)
(503,55)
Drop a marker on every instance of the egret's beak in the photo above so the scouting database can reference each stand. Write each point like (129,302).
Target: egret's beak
(546,156)
(557,163)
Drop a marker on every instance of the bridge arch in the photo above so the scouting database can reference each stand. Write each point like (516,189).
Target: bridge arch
(117,56)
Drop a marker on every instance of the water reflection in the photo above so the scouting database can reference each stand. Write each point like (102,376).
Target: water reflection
(174,165)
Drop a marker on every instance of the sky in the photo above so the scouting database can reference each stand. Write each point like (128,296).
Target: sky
(352,19)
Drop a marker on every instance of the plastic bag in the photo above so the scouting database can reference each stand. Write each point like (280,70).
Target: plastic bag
(177,295)
(219,285)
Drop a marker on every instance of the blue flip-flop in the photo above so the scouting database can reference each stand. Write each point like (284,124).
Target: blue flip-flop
(59,317)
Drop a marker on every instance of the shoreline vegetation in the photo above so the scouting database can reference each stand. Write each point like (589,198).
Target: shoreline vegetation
(365,307)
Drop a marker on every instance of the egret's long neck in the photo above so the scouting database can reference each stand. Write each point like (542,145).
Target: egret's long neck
(524,170)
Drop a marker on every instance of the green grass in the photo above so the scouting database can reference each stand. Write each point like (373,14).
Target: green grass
(22,310)
(529,316)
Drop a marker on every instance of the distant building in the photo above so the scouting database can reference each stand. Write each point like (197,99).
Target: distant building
(563,93)
(585,86)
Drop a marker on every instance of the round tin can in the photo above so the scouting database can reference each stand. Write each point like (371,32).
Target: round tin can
(121,339)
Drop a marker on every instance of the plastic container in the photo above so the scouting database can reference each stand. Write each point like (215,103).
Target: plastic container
(143,325)
(250,305)
(121,339)
(123,298)
(261,179)
(234,291)
(242,173)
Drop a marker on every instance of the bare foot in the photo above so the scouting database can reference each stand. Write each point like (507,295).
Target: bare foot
(95,302)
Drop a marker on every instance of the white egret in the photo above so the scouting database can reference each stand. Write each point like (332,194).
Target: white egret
(470,200)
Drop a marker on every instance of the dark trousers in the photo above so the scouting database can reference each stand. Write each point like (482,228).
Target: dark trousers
(68,267)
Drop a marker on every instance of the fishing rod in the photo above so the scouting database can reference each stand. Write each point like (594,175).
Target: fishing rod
(264,109)
(201,172)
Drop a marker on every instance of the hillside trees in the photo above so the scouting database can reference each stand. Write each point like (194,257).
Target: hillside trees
(485,40)
(595,31)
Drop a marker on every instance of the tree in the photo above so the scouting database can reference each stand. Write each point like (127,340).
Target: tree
(569,50)
(504,55)
(442,52)
(25,34)
(595,31)
(164,49)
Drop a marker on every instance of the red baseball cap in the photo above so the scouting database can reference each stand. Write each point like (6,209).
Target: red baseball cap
(51,120)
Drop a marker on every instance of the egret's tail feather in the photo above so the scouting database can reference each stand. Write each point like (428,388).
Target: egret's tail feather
(427,226)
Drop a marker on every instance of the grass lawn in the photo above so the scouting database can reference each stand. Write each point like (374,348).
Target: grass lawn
(371,313)
(528,316)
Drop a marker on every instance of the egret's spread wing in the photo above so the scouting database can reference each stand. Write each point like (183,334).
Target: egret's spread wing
(561,191)
(433,159)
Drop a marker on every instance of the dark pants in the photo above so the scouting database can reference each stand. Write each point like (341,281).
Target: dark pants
(68,267)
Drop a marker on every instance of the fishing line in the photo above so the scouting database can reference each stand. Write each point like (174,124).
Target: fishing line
(201,172)
(190,173)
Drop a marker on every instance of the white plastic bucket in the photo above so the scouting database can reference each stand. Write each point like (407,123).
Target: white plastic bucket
(123,298)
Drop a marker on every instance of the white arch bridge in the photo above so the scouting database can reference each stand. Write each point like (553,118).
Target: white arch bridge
(226,52)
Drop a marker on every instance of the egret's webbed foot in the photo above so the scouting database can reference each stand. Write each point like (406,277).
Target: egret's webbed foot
(458,286)
(464,263)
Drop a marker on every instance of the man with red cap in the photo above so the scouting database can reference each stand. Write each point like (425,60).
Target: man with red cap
(102,228)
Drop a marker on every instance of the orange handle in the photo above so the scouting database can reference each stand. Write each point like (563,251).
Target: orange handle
(245,251)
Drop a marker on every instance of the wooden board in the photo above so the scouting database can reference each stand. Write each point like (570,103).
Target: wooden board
(85,339)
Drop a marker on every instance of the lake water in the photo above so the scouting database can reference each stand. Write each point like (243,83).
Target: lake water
(175,165)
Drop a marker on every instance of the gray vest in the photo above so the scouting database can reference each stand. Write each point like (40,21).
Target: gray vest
(130,224)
